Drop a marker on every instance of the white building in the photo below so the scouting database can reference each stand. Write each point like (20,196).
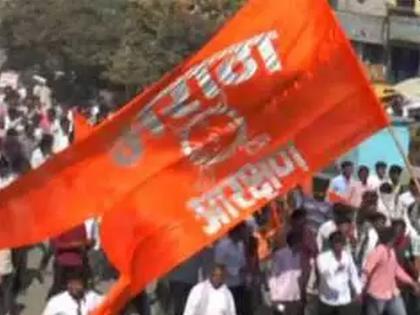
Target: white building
(385,33)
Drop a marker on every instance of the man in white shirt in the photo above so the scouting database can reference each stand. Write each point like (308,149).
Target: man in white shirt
(343,184)
(230,252)
(338,276)
(361,187)
(404,203)
(7,299)
(342,221)
(77,300)
(387,202)
(394,176)
(211,297)
(377,179)
(286,283)
(183,278)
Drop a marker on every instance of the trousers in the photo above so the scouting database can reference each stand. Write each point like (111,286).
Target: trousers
(394,306)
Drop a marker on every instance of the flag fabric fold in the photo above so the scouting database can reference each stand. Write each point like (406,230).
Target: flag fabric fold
(204,111)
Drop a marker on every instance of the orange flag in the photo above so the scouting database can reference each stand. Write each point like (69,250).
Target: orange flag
(335,197)
(270,72)
(317,110)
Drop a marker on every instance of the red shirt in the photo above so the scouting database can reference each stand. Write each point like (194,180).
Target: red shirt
(383,271)
(72,257)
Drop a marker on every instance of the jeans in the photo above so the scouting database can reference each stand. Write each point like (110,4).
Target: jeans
(290,308)
(325,309)
(411,302)
(394,306)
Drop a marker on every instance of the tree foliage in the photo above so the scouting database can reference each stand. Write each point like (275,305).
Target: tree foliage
(125,42)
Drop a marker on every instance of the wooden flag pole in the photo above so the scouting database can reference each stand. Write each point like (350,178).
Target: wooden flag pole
(410,171)
(407,162)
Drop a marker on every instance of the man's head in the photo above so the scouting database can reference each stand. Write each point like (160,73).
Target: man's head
(298,218)
(237,233)
(386,236)
(341,209)
(369,202)
(347,169)
(399,227)
(217,276)
(363,174)
(337,242)
(344,224)
(386,189)
(76,283)
(395,172)
(378,220)
(380,168)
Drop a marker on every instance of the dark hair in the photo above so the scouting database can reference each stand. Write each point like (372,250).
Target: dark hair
(341,209)
(298,214)
(12,132)
(342,219)
(218,266)
(380,164)
(293,238)
(345,164)
(376,216)
(386,188)
(397,222)
(395,169)
(386,235)
(337,237)
(76,273)
(363,168)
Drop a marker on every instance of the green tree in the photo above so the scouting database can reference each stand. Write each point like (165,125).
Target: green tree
(125,42)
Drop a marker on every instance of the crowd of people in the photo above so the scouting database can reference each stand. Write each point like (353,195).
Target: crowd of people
(34,126)
(352,250)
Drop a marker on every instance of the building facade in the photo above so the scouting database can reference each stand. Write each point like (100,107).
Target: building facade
(386,35)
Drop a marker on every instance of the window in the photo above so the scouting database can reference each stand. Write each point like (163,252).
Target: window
(406,3)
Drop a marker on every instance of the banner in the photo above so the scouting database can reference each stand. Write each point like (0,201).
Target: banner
(270,72)
(303,126)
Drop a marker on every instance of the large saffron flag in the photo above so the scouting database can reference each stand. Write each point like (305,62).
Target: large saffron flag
(314,113)
(216,138)
(273,69)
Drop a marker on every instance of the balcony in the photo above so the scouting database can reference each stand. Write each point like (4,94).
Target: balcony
(404,8)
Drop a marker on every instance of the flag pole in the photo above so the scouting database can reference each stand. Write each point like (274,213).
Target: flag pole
(407,162)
